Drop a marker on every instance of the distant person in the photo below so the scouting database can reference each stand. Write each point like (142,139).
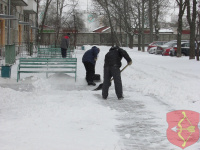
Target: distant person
(112,64)
(65,42)
(89,60)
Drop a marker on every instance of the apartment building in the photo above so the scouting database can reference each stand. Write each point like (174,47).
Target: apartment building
(17,22)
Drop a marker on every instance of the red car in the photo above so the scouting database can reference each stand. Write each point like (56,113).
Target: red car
(169,46)
(155,44)
(166,52)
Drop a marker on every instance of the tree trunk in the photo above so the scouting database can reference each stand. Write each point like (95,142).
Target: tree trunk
(130,41)
(143,36)
(157,28)
(139,42)
(198,33)
(179,35)
(182,6)
(192,42)
(150,21)
(37,25)
(139,28)
(198,45)
(110,22)
(192,22)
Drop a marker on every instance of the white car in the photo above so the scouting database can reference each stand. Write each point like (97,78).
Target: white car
(152,50)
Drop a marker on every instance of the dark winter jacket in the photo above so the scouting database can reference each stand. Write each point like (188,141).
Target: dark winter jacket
(114,57)
(65,42)
(91,55)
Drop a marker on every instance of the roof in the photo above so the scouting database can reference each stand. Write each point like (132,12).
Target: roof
(185,31)
(165,31)
(147,31)
(101,29)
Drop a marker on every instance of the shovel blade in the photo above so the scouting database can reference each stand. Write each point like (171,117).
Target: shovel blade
(99,87)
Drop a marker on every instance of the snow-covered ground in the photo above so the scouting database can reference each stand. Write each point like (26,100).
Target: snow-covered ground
(59,114)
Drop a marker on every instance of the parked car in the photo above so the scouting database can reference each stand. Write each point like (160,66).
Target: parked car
(185,49)
(152,50)
(167,46)
(154,45)
(166,52)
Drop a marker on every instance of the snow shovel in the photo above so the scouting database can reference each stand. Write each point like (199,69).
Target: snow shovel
(101,85)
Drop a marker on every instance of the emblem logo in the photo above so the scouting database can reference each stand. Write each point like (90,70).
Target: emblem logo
(183,128)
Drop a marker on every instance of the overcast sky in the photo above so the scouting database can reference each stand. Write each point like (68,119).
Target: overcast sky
(84,4)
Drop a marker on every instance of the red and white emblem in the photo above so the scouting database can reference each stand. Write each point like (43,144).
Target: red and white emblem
(183,128)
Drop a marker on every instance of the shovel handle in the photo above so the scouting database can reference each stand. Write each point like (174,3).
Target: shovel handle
(121,70)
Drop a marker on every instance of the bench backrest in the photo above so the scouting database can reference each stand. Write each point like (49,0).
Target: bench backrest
(48,61)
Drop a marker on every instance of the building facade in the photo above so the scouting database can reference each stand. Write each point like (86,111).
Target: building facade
(17,22)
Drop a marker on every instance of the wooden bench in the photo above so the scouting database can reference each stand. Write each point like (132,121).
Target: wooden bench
(47,65)
(52,53)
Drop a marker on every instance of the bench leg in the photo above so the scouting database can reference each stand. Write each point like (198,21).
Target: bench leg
(46,75)
(18,76)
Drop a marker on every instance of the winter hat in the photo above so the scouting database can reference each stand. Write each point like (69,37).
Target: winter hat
(94,47)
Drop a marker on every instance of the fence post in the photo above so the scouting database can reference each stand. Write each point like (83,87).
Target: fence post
(10,54)
(31,48)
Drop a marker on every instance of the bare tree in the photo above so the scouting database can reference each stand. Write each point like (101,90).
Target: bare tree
(105,5)
(121,19)
(48,2)
(61,4)
(64,18)
(75,20)
(192,23)
(182,6)
(59,11)
(130,16)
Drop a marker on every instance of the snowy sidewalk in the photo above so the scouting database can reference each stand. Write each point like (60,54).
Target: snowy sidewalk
(143,122)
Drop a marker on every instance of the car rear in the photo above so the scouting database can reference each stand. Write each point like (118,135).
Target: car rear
(163,48)
(166,52)
(155,44)
(185,46)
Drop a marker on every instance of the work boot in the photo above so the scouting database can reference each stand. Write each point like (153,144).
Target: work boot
(104,98)
(121,98)
(91,83)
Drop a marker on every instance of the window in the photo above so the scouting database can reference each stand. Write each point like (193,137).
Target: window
(26,19)
(1,8)
(186,45)
(5,9)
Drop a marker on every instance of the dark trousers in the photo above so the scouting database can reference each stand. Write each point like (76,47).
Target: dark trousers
(90,71)
(114,72)
(64,52)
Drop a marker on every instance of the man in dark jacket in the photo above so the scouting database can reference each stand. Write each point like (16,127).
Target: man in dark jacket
(89,61)
(64,45)
(112,66)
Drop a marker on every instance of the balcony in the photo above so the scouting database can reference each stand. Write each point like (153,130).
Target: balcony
(31,8)
(19,2)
